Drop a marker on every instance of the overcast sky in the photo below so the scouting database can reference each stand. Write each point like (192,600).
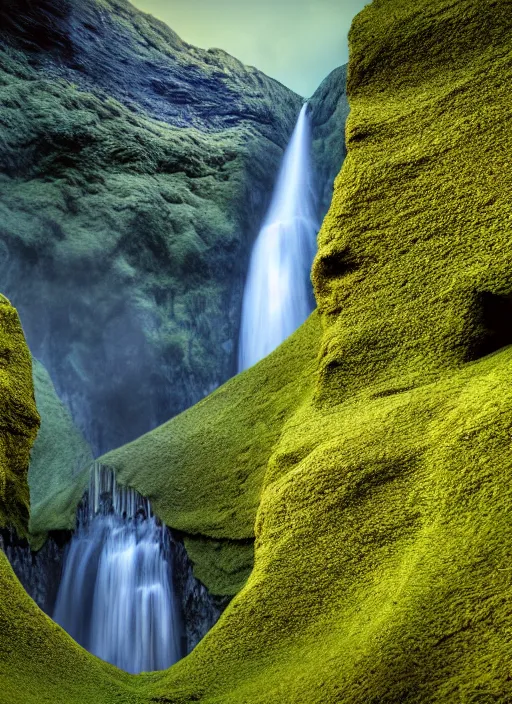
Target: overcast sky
(296,41)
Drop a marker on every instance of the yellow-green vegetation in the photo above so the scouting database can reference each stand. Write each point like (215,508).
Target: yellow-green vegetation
(382,527)
(40,663)
(19,420)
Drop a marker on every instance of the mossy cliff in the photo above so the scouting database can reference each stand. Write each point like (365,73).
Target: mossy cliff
(19,420)
(381,501)
(135,171)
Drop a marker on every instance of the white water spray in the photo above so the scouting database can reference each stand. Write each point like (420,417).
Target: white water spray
(116,597)
(278,296)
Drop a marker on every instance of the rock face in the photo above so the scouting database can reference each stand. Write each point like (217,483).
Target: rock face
(135,170)
(329,113)
(38,571)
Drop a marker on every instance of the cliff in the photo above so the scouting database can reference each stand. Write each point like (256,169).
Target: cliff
(329,113)
(382,538)
(112,379)
(135,170)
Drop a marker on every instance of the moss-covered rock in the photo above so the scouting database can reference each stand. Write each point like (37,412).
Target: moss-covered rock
(19,420)
(135,170)
(382,531)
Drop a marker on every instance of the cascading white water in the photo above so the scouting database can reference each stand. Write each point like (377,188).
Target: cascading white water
(116,597)
(278,296)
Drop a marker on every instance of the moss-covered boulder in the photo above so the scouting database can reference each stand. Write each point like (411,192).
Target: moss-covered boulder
(135,170)
(19,420)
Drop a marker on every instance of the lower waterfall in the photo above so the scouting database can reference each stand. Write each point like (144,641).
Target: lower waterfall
(116,597)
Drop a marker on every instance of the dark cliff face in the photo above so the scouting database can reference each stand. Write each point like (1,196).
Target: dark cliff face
(135,171)
(110,48)
(329,112)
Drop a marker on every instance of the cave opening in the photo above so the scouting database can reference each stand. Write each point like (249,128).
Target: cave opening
(493,324)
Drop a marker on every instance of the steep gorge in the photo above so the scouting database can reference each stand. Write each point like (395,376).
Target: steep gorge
(369,455)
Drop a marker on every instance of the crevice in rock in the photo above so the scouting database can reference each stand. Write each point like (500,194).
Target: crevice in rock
(493,325)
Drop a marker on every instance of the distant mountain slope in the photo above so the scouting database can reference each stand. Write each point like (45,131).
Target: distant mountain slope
(135,170)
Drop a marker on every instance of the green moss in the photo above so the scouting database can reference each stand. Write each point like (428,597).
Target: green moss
(19,420)
(222,565)
(382,532)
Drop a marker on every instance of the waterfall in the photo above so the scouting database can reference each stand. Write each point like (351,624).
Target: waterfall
(116,594)
(278,296)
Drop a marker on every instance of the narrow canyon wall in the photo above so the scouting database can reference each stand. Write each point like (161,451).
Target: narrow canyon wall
(329,113)
(19,421)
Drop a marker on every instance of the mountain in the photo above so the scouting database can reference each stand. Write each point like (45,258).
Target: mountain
(135,170)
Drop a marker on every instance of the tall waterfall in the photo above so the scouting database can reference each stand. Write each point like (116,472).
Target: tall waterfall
(116,595)
(278,296)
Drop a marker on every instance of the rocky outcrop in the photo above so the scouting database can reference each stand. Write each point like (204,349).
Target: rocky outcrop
(19,421)
(135,170)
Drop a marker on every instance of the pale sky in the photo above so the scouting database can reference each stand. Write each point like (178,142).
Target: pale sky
(298,42)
